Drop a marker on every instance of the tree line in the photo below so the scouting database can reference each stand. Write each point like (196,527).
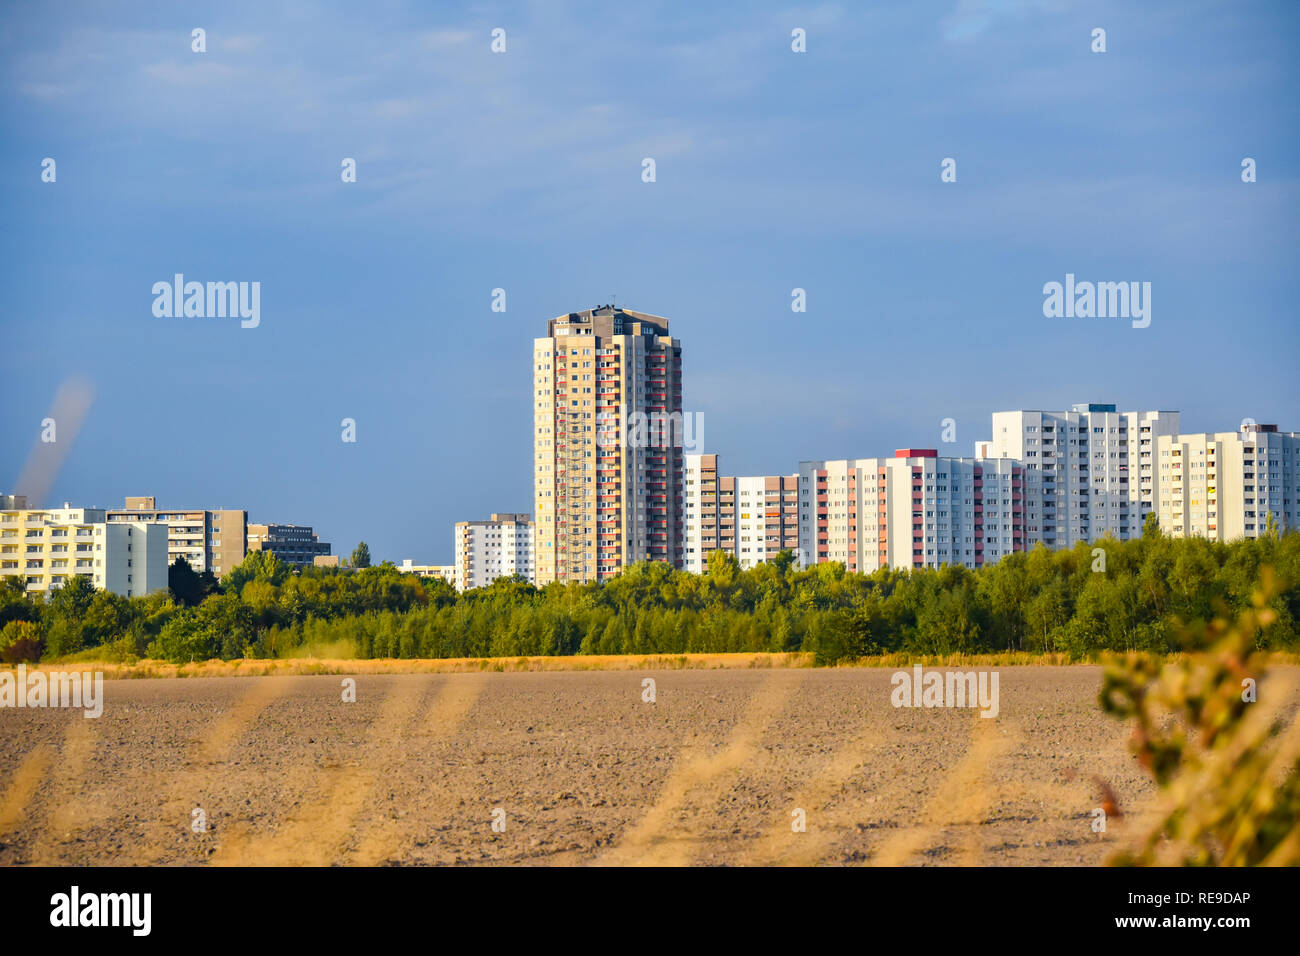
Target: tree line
(1107,595)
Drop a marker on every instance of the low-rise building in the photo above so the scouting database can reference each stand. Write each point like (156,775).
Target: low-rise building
(293,544)
(447,572)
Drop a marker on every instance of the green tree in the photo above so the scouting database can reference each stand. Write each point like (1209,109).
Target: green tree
(256,566)
(1040,601)
(72,600)
(187,586)
(361,556)
(63,617)
(186,637)
(20,641)
(109,618)
(15,604)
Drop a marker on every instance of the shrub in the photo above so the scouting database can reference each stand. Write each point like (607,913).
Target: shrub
(20,641)
(1228,766)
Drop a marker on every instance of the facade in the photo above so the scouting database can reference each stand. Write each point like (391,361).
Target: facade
(291,543)
(46,547)
(753,517)
(1145,430)
(213,541)
(607,491)
(910,511)
(446,572)
(1089,472)
(136,557)
(501,547)
(1224,485)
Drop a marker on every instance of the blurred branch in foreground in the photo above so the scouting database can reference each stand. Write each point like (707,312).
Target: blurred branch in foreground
(1218,740)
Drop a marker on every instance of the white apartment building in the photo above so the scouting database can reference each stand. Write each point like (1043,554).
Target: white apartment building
(1224,485)
(910,511)
(501,547)
(1145,428)
(1089,471)
(135,557)
(752,517)
(46,546)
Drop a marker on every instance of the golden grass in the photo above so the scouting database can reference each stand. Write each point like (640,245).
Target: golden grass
(1026,659)
(257,667)
(266,667)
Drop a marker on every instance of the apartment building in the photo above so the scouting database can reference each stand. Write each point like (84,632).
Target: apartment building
(607,494)
(1146,429)
(447,572)
(910,511)
(215,541)
(293,544)
(1224,485)
(1089,471)
(47,546)
(501,547)
(751,517)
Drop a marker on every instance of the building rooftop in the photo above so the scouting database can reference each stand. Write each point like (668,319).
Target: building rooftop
(606,320)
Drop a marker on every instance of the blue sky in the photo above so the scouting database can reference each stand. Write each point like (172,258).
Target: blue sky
(522,170)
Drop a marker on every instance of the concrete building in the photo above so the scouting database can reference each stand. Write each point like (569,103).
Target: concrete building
(215,541)
(910,511)
(501,547)
(752,517)
(446,572)
(136,557)
(607,490)
(1224,485)
(293,544)
(46,547)
(1144,431)
(1089,471)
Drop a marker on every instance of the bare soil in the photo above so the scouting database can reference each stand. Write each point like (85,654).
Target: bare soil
(578,767)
